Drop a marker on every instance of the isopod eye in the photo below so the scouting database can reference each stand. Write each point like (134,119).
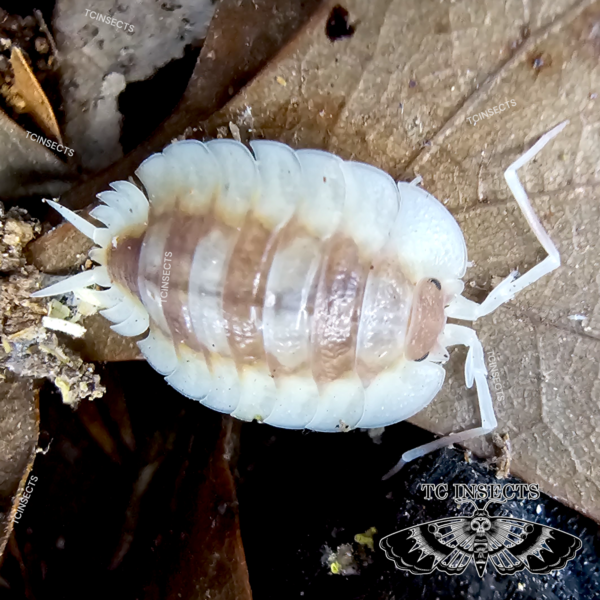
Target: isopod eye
(422,358)
(437,284)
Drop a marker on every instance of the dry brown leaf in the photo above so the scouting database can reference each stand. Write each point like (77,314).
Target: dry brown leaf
(32,96)
(28,348)
(27,167)
(397,94)
(19,430)
(100,343)
(209,561)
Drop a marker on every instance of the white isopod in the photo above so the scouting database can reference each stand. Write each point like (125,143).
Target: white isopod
(291,286)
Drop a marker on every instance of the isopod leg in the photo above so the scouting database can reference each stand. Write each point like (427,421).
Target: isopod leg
(475,371)
(461,308)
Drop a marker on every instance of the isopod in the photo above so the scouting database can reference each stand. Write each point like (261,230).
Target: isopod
(293,287)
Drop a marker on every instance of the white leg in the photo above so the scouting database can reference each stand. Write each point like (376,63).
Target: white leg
(461,308)
(475,371)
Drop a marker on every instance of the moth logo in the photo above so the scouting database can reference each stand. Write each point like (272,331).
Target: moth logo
(510,545)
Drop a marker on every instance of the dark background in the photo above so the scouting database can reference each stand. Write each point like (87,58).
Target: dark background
(87,532)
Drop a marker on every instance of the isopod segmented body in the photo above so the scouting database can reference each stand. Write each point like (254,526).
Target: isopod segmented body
(288,286)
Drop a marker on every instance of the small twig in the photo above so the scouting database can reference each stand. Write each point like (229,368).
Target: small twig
(44,28)
(133,511)
(91,419)
(45,450)
(13,548)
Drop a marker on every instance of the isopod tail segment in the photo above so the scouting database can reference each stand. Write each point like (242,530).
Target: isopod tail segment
(463,309)
(124,212)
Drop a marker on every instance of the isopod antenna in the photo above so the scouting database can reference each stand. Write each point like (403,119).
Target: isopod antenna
(467,310)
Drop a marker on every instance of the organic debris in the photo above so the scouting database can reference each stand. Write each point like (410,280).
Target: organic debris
(27,70)
(29,349)
(19,431)
(375,434)
(349,558)
(366,538)
(17,229)
(503,454)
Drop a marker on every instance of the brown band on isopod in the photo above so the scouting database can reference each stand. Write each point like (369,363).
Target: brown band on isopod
(427,319)
(384,318)
(244,290)
(292,234)
(150,262)
(123,261)
(186,231)
(338,301)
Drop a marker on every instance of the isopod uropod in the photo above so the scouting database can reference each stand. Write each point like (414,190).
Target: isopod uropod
(291,286)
